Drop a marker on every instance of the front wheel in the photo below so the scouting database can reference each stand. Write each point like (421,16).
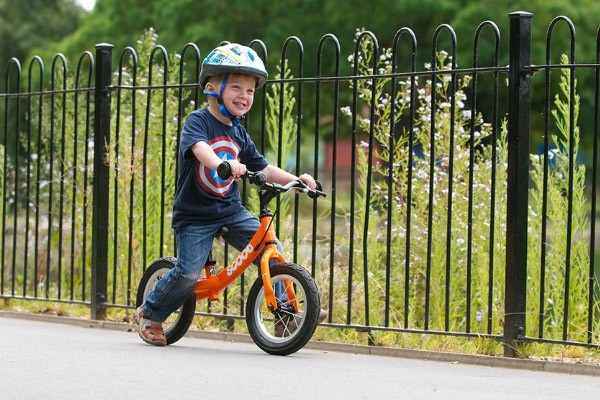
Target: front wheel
(178,323)
(287,329)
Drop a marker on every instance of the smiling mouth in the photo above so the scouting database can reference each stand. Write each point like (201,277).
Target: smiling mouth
(238,104)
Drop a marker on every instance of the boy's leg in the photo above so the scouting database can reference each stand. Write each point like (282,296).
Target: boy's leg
(193,245)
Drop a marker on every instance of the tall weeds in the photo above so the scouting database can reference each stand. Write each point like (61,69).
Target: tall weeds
(452,277)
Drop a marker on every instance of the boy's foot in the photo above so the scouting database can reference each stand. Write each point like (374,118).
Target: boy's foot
(322,315)
(286,326)
(150,331)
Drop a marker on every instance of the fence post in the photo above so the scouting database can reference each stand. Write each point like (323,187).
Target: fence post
(519,81)
(101,180)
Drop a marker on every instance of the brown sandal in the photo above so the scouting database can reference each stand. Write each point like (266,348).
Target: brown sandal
(150,332)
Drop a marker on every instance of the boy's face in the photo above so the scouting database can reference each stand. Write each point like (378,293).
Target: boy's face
(238,94)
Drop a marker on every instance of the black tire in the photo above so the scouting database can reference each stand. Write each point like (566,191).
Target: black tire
(262,322)
(179,322)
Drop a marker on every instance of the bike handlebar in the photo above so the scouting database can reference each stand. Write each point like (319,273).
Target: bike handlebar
(260,179)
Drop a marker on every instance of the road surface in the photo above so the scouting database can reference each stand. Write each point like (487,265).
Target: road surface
(43,360)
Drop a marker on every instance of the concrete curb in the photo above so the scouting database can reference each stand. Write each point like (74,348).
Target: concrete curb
(489,361)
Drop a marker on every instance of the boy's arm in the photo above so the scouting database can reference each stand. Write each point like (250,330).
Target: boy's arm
(278,175)
(206,155)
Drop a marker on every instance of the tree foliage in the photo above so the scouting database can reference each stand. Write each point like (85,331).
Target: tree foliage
(29,24)
(207,23)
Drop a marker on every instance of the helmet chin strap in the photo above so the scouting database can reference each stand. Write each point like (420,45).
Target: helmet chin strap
(234,120)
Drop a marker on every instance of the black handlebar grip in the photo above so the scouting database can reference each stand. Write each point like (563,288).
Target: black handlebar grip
(260,178)
(319,186)
(224,170)
(313,194)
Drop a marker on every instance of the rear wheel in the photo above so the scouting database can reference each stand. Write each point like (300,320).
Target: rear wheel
(291,326)
(179,322)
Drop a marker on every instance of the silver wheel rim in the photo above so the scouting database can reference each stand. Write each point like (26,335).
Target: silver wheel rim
(265,320)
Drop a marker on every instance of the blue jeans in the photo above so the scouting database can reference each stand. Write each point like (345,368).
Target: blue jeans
(194,243)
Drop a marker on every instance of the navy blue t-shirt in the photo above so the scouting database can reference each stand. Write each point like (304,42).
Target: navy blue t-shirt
(201,195)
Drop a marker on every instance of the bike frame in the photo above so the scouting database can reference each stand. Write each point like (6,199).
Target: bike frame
(213,284)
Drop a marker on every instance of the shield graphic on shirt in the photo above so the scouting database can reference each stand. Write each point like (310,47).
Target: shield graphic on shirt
(208,178)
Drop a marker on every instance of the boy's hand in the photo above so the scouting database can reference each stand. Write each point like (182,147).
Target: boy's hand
(308,180)
(237,168)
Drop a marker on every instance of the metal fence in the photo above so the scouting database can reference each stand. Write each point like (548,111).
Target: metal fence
(444,216)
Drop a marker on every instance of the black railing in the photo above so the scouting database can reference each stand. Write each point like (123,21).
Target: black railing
(441,218)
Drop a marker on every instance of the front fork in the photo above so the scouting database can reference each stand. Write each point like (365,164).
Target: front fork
(271,253)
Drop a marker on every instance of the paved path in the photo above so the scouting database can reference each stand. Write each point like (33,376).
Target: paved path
(43,360)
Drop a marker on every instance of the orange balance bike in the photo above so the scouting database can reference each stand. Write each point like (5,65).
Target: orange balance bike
(279,324)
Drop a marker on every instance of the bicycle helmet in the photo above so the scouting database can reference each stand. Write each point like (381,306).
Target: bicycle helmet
(231,58)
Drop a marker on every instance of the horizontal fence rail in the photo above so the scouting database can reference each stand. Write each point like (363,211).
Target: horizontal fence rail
(459,203)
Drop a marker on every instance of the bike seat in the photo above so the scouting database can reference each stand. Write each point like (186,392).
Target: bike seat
(222,231)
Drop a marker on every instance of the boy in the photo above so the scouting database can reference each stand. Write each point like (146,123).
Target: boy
(203,202)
